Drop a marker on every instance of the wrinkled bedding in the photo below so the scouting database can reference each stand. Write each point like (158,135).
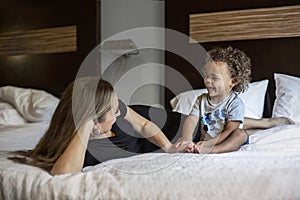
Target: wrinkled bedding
(268,168)
(21,137)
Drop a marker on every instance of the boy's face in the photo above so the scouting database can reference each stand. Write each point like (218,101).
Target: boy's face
(217,80)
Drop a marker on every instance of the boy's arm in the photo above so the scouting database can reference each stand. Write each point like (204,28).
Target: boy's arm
(189,126)
(230,126)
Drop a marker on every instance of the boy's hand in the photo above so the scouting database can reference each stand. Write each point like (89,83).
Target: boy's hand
(197,146)
(182,145)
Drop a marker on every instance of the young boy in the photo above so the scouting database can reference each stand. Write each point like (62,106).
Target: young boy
(220,111)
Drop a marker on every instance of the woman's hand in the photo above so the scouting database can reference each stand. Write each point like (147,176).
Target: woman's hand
(174,149)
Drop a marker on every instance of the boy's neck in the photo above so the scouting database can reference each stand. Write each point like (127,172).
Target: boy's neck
(216,100)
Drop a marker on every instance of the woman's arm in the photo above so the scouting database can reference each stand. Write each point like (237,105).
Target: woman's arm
(149,130)
(73,157)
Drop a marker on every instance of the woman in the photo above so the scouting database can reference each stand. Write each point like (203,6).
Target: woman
(87,111)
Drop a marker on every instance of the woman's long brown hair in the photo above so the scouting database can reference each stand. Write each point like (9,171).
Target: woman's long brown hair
(84,99)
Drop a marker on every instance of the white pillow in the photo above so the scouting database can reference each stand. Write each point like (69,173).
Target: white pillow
(34,105)
(10,116)
(253,99)
(183,102)
(287,102)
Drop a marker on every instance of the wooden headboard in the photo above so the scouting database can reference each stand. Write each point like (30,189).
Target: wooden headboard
(43,43)
(273,46)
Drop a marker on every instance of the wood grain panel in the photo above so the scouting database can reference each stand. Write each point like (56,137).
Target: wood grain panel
(40,41)
(248,24)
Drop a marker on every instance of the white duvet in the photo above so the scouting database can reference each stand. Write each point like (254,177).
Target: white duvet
(21,137)
(24,116)
(269,168)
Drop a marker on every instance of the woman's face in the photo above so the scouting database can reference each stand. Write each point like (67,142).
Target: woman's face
(110,117)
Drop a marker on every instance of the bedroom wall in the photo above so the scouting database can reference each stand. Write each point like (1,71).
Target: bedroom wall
(118,16)
(48,71)
(279,55)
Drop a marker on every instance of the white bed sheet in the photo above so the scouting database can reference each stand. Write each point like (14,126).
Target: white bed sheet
(21,137)
(269,168)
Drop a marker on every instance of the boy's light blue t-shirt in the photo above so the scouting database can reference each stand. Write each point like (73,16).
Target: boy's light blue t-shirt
(214,116)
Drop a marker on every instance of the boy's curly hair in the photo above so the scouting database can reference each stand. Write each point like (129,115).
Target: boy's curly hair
(238,62)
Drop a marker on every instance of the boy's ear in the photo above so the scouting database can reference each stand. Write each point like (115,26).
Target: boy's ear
(233,83)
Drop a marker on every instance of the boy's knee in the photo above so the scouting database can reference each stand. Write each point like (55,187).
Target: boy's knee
(240,133)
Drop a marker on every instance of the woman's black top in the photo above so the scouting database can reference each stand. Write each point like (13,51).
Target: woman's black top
(123,144)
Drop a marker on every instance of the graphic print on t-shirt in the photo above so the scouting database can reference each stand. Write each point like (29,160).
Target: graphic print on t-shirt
(214,120)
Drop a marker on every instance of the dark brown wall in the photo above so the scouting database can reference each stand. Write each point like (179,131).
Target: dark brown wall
(268,55)
(51,72)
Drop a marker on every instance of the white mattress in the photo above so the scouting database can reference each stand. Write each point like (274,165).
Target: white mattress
(269,168)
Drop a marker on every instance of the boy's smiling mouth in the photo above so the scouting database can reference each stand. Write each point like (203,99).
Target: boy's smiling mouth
(210,89)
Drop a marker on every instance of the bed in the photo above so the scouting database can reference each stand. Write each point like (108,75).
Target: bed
(267,168)
(271,160)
